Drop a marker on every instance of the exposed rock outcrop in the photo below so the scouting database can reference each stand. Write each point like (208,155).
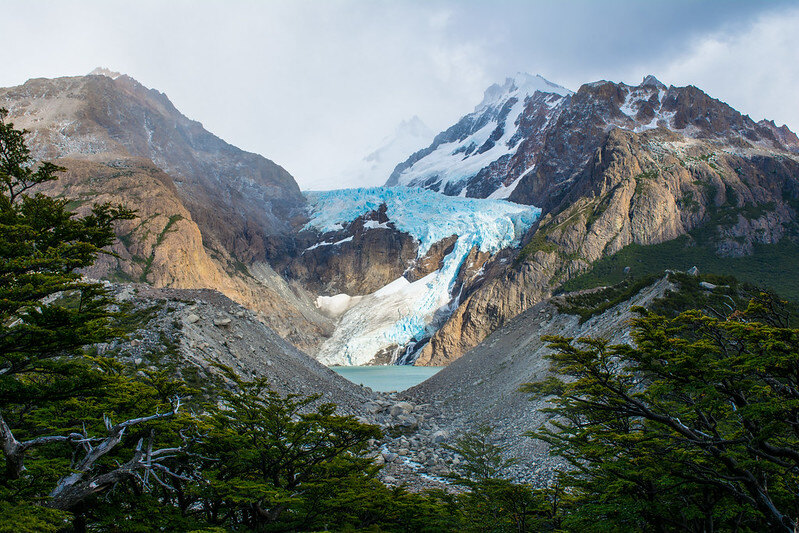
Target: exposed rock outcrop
(368,254)
(206,210)
(637,188)
(432,260)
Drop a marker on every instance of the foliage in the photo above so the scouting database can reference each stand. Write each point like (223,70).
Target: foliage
(493,502)
(276,461)
(500,505)
(695,428)
(773,266)
(482,458)
(596,302)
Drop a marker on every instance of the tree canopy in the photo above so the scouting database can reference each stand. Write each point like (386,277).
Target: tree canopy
(695,427)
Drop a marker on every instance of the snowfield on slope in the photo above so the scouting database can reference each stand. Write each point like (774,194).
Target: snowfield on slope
(457,160)
(402,312)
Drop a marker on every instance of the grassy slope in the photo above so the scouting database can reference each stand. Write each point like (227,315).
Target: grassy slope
(773,266)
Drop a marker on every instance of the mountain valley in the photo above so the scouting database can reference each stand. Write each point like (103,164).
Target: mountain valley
(460,261)
(603,168)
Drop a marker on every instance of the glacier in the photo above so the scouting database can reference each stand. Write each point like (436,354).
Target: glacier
(405,312)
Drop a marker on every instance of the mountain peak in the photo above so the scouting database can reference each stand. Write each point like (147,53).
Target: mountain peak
(102,71)
(520,85)
(651,81)
(413,126)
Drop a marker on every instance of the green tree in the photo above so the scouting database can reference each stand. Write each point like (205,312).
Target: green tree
(695,428)
(494,502)
(71,424)
(482,457)
(279,463)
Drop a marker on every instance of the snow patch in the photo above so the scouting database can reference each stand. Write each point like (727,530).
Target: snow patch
(319,244)
(633,101)
(374,224)
(335,306)
(102,71)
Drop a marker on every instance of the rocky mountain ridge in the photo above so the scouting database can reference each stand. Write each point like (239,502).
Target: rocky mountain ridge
(637,188)
(207,211)
(527,143)
(598,108)
(610,165)
(472,157)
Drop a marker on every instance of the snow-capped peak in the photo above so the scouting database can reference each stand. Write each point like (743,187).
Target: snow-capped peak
(481,142)
(521,85)
(102,71)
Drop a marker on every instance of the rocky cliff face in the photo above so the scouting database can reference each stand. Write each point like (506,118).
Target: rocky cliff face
(360,258)
(642,187)
(206,210)
(529,139)
(237,198)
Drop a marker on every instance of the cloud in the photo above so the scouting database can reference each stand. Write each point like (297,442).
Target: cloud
(755,70)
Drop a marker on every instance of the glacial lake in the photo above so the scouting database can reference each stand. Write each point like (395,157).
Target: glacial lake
(387,378)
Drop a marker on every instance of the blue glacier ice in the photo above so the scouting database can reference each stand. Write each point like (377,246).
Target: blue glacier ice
(402,312)
(426,215)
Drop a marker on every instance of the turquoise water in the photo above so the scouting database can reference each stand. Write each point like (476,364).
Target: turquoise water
(387,378)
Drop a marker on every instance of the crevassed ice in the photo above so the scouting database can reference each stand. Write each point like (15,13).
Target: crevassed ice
(402,311)
(426,215)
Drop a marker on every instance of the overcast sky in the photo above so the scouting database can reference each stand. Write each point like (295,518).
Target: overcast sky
(316,85)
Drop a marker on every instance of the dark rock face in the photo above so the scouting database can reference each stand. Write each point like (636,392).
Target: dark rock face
(432,260)
(361,258)
(557,135)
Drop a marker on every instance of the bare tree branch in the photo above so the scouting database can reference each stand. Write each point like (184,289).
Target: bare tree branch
(80,484)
